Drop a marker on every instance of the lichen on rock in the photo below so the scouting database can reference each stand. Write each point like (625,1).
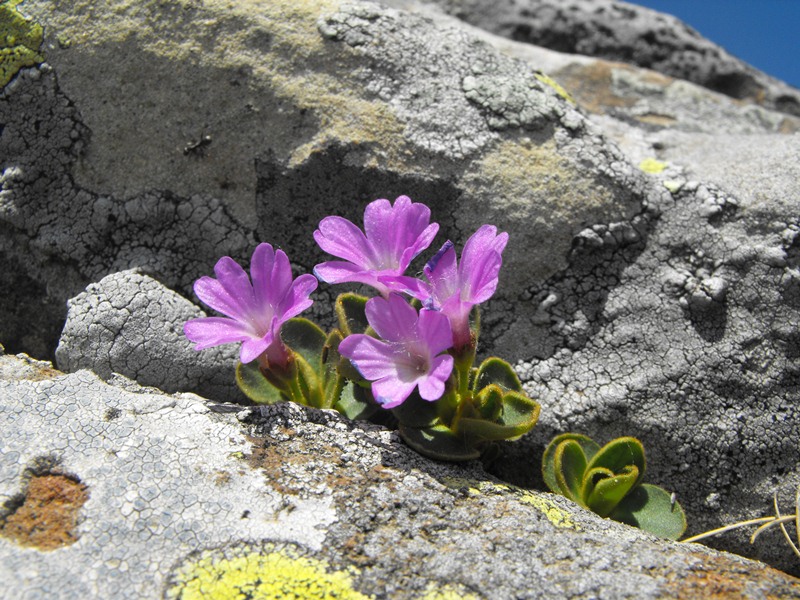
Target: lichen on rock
(20,41)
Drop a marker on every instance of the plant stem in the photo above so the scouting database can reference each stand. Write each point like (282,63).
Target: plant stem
(713,532)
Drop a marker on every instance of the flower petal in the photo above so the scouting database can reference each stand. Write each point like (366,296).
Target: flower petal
(434,329)
(261,266)
(379,226)
(422,241)
(390,392)
(373,358)
(212,293)
(337,271)
(280,281)
(338,236)
(480,265)
(404,284)
(442,272)
(432,387)
(398,233)
(394,320)
(253,347)
(296,300)
(236,282)
(206,332)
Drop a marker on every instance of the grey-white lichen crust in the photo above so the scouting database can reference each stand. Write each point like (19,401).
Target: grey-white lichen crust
(163,479)
(130,324)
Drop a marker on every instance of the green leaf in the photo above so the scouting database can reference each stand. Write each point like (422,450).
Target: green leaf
(255,386)
(618,454)
(497,371)
(608,492)
(350,310)
(416,412)
(569,467)
(589,446)
(355,402)
(438,442)
(518,416)
(650,508)
(333,381)
(310,383)
(306,339)
(489,403)
(519,411)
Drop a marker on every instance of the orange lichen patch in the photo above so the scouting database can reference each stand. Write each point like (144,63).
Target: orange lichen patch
(718,578)
(593,86)
(48,513)
(25,368)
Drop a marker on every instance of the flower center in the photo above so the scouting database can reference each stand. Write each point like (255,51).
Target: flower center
(411,364)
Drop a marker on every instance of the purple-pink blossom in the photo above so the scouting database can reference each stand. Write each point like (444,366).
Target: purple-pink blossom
(409,354)
(454,288)
(393,236)
(254,312)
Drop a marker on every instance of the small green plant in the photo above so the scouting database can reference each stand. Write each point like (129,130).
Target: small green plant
(608,481)
(764,524)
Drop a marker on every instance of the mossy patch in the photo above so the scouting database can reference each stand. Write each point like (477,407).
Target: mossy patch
(261,573)
(20,41)
(46,515)
(652,166)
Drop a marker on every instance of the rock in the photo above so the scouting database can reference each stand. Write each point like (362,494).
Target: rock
(277,115)
(624,32)
(128,323)
(184,498)
(650,287)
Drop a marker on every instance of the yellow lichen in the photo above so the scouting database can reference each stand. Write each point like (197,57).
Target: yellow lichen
(20,40)
(554,514)
(652,166)
(279,572)
(559,89)
(557,516)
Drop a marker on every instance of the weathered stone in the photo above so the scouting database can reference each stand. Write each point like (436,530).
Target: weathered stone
(278,114)
(658,301)
(128,323)
(185,498)
(625,32)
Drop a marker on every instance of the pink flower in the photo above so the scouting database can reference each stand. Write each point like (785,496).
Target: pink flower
(395,235)
(409,355)
(455,288)
(254,312)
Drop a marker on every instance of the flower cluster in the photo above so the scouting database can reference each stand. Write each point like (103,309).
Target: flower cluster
(410,348)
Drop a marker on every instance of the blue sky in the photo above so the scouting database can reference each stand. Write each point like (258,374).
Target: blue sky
(764,33)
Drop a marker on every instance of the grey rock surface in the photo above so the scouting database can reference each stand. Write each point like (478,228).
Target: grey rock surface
(130,324)
(660,305)
(625,32)
(325,106)
(185,497)
(688,338)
